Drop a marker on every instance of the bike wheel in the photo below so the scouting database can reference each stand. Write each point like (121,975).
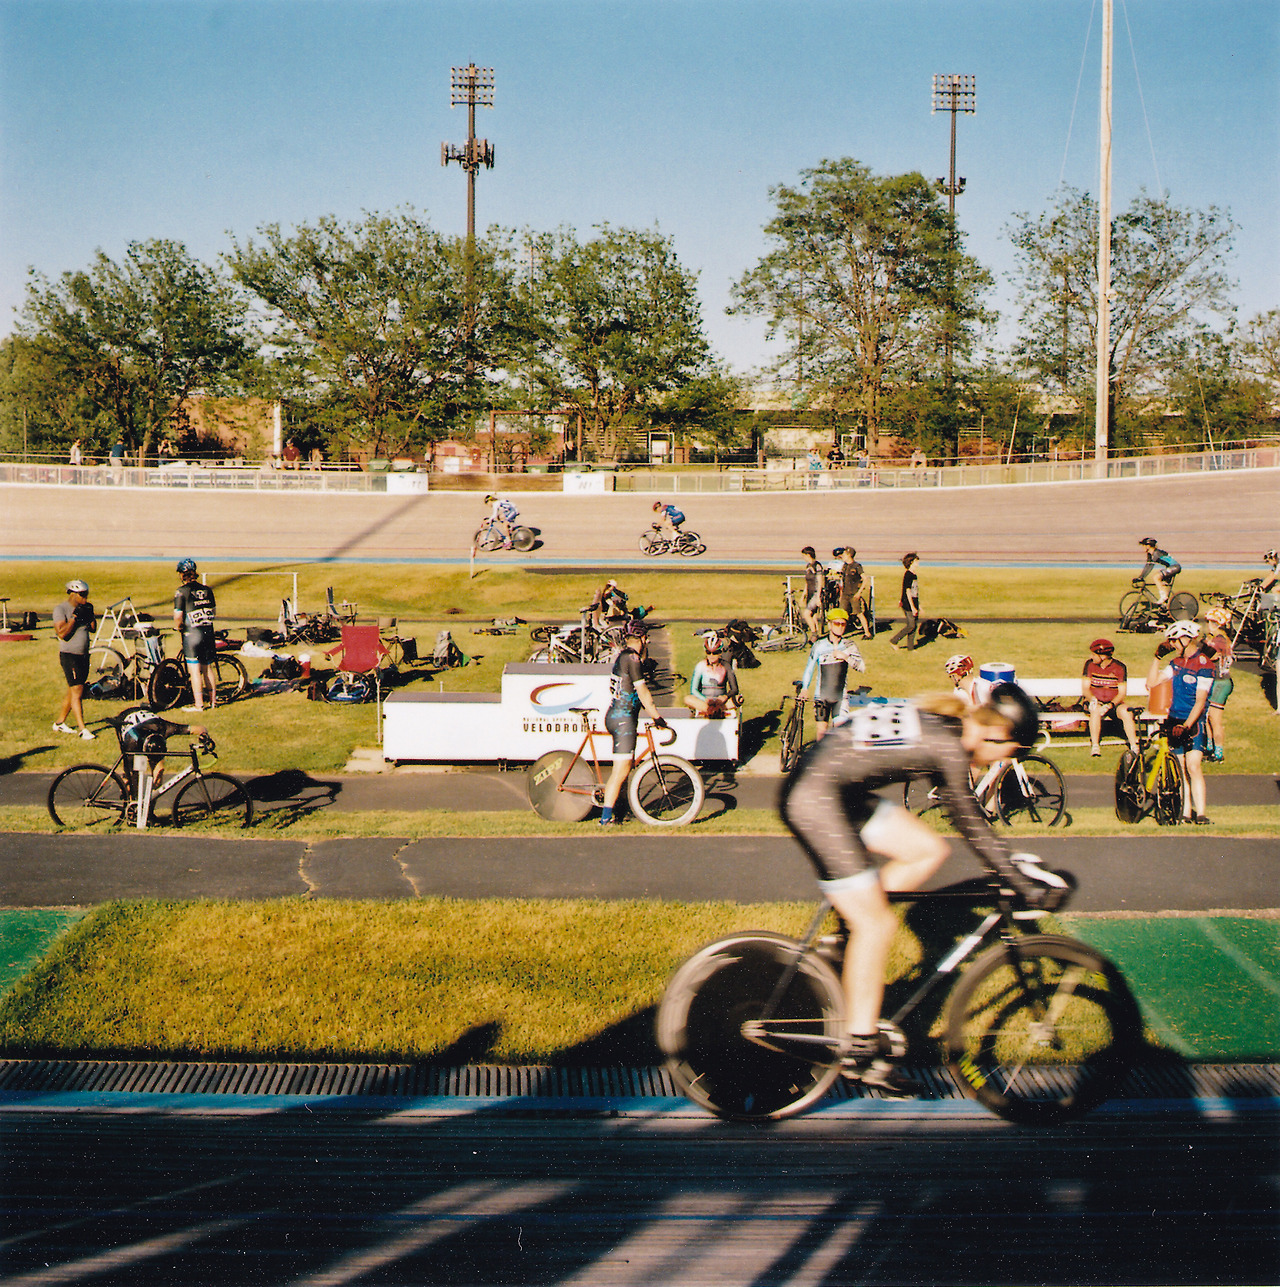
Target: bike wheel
(212,797)
(1131,599)
(1183,606)
(921,797)
(89,795)
(1046,801)
(1131,795)
(792,739)
(781,639)
(666,792)
(1139,619)
(653,544)
(107,669)
(231,679)
(569,800)
(486,538)
(1167,793)
(1041,1029)
(522,539)
(169,684)
(689,544)
(791,1060)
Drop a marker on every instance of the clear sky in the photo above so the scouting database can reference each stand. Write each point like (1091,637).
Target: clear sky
(122,120)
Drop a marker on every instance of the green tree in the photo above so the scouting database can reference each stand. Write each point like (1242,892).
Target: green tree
(367,324)
(859,280)
(127,343)
(1259,346)
(705,412)
(1168,273)
(618,328)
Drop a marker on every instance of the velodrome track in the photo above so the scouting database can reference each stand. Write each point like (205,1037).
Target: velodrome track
(1217,519)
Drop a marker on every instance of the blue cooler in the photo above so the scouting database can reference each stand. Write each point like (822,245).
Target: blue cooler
(991,673)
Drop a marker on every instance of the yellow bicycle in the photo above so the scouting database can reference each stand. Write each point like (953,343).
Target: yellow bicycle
(1150,782)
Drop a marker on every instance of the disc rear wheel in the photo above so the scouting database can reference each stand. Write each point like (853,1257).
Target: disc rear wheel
(559,796)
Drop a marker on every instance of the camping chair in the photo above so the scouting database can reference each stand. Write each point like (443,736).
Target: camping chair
(362,651)
(400,648)
(339,612)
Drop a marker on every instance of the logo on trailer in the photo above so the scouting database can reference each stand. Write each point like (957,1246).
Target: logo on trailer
(559,703)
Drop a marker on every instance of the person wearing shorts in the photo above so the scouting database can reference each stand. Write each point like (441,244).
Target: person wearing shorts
(1219,649)
(1104,684)
(815,580)
(629,696)
(73,623)
(194,612)
(1181,660)
(1161,567)
(713,686)
(852,589)
(864,846)
(834,650)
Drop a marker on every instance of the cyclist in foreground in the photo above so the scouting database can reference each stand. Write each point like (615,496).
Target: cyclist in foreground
(864,846)
(504,514)
(143,732)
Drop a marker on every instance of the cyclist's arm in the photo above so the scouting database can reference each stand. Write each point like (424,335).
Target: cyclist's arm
(807,678)
(646,701)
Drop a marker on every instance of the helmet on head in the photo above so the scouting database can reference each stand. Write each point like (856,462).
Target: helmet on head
(1182,630)
(1102,645)
(1220,617)
(713,644)
(657,505)
(635,630)
(838,614)
(1148,540)
(489,498)
(186,567)
(77,587)
(1272,556)
(1012,704)
(960,664)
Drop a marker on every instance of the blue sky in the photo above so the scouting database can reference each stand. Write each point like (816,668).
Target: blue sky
(122,120)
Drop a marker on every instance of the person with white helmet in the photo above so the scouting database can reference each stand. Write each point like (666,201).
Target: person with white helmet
(73,623)
(960,668)
(1180,660)
(1221,649)
(504,514)
(713,687)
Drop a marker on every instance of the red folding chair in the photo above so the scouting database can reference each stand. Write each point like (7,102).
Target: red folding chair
(362,652)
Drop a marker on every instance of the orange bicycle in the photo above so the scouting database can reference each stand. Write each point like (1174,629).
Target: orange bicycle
(663,790)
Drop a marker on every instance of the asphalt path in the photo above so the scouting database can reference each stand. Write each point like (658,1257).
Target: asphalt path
(1206,519)
(483,1197)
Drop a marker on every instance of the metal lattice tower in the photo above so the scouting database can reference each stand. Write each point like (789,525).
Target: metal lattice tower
(954,94)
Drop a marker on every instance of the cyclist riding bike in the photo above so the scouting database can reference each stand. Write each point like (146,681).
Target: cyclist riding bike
(194,611)
(833,805)
(963,676)
(669,519)
(503,514)
(1160,566)
(1180,659)
(830,660)
(629,696)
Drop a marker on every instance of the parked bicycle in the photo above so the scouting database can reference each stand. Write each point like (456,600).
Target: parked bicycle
(1142,612)
(583,643)
(1255,622)
(1150,782)
(791,739)
(93,795)
(654,542)
(1039,1028)
(490,536)
(788,633)
(145,673)
(663,790)
(1027,790)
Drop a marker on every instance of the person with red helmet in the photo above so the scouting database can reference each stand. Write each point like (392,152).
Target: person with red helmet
(960,668)
(1104,685)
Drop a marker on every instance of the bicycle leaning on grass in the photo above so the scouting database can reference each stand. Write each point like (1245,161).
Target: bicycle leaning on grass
(1029,789)
(1039,1028)
(1150,782)
(93,795)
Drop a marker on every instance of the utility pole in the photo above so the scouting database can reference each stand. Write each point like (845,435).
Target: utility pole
(954,94)
(1102,374)
(472,87)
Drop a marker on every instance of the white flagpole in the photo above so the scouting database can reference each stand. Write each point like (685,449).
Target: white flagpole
(1102,426)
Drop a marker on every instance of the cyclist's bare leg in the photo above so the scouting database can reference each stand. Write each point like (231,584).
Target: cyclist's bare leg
(617,778)
(197,673)
(1194,793)
(1125,715)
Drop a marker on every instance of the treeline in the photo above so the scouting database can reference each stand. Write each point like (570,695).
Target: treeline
(382,337)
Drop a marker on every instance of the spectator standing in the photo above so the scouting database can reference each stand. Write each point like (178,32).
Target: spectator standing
(76,457)
(815,578)
(1219,649)
(117,462)
(909,601)
(918,460)
(316,459)
(73,623)
(1191,675)
(194,611)
(713,687)
(814,461)
(1104,684)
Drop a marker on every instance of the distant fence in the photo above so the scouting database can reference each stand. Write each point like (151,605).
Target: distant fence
(778,477)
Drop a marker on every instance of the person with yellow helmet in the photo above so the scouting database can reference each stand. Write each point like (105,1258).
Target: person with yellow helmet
(1219,646)
(830,660)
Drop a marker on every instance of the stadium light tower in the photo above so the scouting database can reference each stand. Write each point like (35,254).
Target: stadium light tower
(954,94)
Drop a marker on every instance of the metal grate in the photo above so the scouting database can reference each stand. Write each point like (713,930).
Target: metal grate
(1178,1081)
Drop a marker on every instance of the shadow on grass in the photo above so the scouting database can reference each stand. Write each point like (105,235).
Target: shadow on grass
(15,763)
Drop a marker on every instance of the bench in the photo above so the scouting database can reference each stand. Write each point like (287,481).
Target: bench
(1063,708)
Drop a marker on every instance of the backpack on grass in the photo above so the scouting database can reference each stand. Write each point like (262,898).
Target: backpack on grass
(446,653)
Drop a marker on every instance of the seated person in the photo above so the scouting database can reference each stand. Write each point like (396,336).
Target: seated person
(1104,683)
(963,675)
(1270,582)
(714,686)
(609,606)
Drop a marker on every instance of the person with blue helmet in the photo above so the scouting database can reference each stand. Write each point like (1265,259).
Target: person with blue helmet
(194,612)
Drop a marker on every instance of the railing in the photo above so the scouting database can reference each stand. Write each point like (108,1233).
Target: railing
(776,476)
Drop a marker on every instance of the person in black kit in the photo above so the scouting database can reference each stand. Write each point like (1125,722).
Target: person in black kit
(851,586)
(836,805)
(909,601)
(815,578)
(630,695)
(143,732)
(194,609)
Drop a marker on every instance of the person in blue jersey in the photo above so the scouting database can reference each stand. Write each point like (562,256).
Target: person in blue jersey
(1161,568)
(1181,660)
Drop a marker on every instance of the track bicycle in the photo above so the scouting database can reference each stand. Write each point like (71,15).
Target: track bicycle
(146,673)
(663,790)
(1039,1028)
(1027,790)
(1150,782)
(1142,611)
(655,542)
(791,739)
(580,643)
(490,536)
(788,633)
(93,795)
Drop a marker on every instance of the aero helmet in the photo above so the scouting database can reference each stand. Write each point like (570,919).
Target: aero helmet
(77,587)
(1183,630)
(960,664)
(186,567)
(1012,704)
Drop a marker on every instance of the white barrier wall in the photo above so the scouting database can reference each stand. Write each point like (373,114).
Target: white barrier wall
(533,714)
